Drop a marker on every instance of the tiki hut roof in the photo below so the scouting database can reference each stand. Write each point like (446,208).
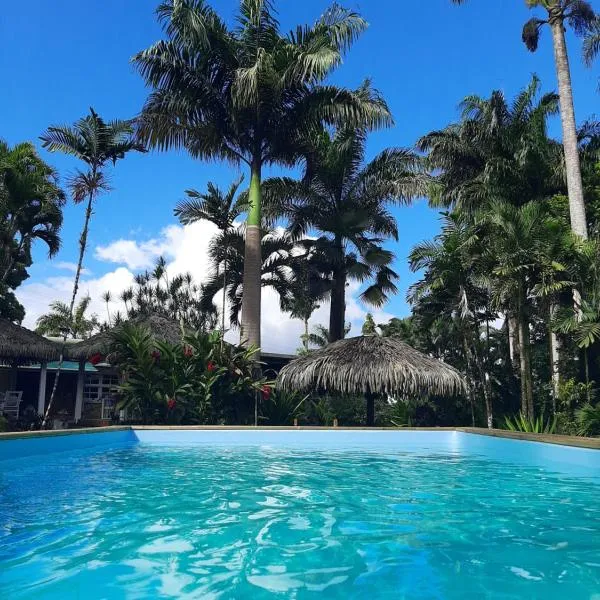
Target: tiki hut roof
(163,329)
(370,364)
(23,345)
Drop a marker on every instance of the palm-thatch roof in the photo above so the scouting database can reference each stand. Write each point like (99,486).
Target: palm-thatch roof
(163,329)
(22,345)
(371,365)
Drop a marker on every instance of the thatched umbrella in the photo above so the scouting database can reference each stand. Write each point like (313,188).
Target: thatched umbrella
(18,344)
(163,329)
(371,365)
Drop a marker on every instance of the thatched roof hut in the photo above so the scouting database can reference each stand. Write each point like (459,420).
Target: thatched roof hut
(371,365)
(18,344)
(163,329)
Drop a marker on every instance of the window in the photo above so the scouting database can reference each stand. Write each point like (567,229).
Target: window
(99,395)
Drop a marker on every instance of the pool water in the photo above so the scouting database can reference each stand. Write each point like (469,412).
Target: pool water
(253,521)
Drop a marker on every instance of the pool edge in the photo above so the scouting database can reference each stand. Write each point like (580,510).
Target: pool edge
(560,440)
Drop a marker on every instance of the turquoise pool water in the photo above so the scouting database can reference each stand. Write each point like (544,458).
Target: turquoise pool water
(432,518)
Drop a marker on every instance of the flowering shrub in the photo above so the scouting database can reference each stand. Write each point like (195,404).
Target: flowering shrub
(202,380)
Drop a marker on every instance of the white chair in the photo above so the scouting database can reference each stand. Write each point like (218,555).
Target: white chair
(11,403)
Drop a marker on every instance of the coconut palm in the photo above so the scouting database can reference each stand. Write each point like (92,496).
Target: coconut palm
(347,201)
(580,16)
(217,207)
(96,143)
(246,95)
(60,322)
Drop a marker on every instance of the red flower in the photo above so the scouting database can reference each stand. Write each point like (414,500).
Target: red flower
(210,367)
(171,403)
(155,355)
(96,358)
(265,391)
(188,351)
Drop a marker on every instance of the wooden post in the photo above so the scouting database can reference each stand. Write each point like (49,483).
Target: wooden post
(370,409)
(41,408)
(335,422)
(79,394)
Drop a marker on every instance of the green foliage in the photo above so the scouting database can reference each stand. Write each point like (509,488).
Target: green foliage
(588,420)
(281,408)
(201,380)
(369,327)
(31,203)
(58,322)
(3,423)
(522,423)
(178,298)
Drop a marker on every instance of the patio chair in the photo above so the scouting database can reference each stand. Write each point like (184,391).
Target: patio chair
(10,404)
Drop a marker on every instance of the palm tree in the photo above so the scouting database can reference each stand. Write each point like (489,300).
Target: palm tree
(30,206)
(346,201)
(498,149)
(521,251)
(276,252)
(246,95)
(59,322)
(96,143)
(449,289)
(580,15)
(220,208)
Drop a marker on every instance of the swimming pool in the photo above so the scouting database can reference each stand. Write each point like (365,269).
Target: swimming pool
(297,514)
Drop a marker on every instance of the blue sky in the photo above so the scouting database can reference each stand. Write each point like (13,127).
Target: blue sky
(61,57)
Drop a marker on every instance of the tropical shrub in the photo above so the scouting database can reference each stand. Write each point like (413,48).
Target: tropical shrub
(201,380)
(537,425)
(588,420)
(281,408)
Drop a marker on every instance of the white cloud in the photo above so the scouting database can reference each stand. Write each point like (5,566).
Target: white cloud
(69,266)
(186,249)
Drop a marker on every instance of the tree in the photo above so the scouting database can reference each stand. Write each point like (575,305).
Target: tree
(177,298)
(96,143)
(31,204)
(580,15)
(217,207)
(59,322)
(247,95)
(276,256)
(347,201)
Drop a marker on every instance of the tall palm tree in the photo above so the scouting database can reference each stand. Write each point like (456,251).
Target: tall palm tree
(246,95)
(347,201)
(59,322)
(580,15)
(220,208)
(96,143)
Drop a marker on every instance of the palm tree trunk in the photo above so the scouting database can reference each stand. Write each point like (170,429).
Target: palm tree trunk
(224,296)
(250,329)
(554,358)
(305,341)
(567,117)
(82,247)
(513,342)
(337,309)
(12,261)
(525,359)
(470,382)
